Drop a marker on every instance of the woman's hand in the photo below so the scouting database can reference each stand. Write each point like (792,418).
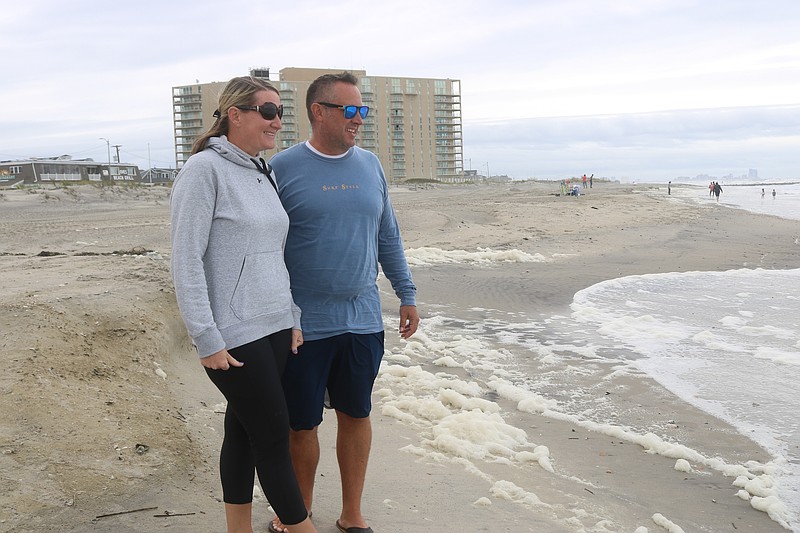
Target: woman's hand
(221,360)
(297,340)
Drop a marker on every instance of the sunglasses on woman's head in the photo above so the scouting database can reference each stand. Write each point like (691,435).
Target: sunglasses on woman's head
(268,110)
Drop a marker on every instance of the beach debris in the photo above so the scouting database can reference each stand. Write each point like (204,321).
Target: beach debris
(169,514)
(125,512)
(159,372)
(141,449)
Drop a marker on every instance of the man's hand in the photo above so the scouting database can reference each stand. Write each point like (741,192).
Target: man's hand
(409,320)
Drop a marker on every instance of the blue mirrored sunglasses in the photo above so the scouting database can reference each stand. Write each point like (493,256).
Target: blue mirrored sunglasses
(349,110)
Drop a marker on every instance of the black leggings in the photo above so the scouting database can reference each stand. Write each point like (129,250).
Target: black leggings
(257,428)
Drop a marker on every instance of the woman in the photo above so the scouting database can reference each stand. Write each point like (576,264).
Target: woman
(232,287)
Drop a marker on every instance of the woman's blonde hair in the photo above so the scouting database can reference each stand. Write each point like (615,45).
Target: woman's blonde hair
(238,91)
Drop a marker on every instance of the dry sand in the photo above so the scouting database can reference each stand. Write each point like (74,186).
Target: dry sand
(104,408)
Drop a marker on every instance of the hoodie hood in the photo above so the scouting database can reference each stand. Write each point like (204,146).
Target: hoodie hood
(230,151)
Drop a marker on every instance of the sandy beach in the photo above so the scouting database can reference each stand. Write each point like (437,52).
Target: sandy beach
(108,424)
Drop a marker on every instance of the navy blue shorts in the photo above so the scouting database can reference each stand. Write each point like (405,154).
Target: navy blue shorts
(346,365)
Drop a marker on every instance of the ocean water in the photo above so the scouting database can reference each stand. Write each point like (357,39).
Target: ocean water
(725,342)
(785,203)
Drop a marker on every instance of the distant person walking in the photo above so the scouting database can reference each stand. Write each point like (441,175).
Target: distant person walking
(717,190)
(590,180)
(711,189)
(585,179)
(773,193)
(669,188)
(762,192)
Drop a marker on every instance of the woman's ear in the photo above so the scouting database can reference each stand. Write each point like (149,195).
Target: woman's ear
(233,115)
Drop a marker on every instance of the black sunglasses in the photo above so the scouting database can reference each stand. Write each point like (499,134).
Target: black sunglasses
(268,110)
(349,110)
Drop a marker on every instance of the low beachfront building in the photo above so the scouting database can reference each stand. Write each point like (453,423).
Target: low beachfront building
(159,175)
(64,169)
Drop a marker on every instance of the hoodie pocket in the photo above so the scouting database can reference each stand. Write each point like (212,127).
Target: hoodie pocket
(262,287)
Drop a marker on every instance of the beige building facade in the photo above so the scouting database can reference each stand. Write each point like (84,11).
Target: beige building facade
(414,125)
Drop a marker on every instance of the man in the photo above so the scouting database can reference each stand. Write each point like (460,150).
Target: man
(341,225)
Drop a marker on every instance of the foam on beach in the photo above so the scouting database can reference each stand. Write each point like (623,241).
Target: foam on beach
(461,384)
(426,255)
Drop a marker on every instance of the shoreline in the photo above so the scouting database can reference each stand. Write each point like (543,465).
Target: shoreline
(85,388)
(742,240)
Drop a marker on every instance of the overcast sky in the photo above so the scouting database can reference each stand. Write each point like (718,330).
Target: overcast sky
(642,89)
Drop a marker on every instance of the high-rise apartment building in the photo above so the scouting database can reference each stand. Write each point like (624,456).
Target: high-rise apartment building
(414,124)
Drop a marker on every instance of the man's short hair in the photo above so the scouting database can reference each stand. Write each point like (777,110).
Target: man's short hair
(319,89)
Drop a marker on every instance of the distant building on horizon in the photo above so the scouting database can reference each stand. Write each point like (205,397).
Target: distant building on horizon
(414,125)
(64,169)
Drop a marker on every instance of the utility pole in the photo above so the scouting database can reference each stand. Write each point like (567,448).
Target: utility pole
(117,147)
(108,146)
(149,165)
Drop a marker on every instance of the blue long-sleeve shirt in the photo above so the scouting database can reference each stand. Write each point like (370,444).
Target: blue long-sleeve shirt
(341,226)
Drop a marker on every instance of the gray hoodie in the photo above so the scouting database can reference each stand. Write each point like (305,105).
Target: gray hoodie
(228,233)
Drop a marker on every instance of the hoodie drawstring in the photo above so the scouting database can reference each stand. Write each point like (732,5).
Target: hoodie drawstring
(265,169)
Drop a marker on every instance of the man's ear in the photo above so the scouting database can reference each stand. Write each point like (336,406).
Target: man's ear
(316,111)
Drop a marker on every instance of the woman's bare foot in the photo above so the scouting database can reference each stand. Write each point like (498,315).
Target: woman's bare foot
(275,525)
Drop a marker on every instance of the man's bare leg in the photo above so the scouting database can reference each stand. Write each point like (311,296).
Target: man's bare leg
(353,443)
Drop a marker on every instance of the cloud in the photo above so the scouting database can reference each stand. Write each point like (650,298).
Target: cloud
(597,76)
(647,145)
